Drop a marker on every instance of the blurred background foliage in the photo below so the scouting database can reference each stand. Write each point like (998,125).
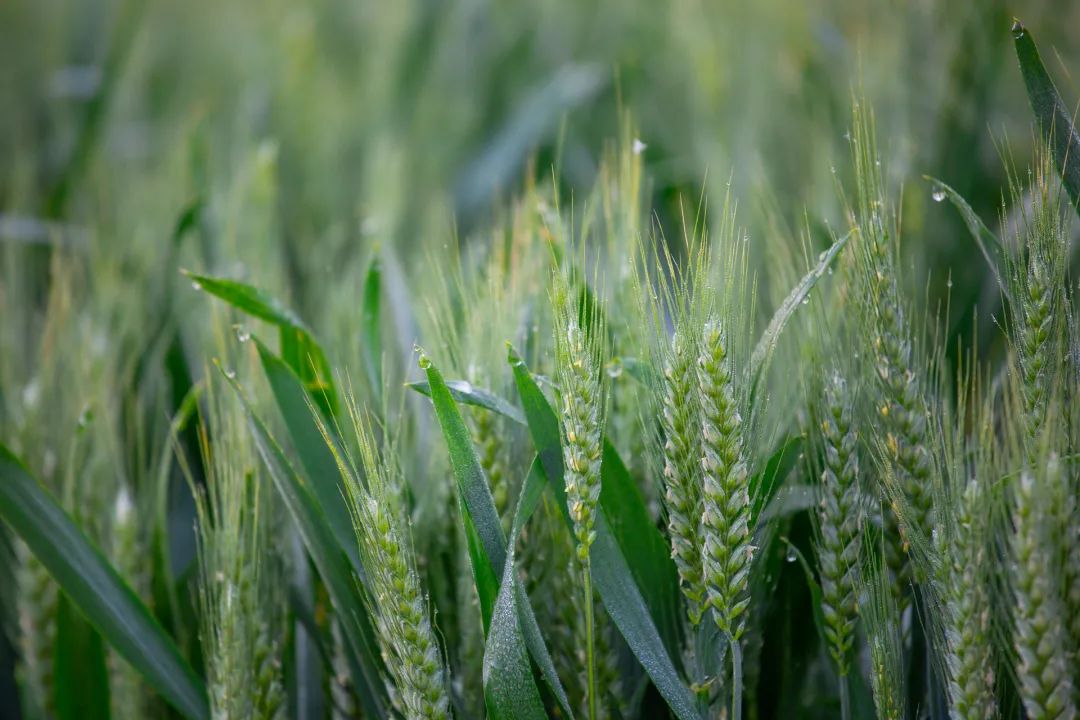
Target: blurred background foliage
(280,143)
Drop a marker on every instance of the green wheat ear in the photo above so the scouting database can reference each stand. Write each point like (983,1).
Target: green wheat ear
(681,452)
(839,519)
(900,402)
(398,604)
(239,594)
(725,519)
(126,693)
(1040,633)
(881,617)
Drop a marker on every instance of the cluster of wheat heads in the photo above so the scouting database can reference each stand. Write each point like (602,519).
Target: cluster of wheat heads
(606,482)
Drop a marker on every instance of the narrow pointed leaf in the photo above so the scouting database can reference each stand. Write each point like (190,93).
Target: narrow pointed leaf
(299,349)
(468,394)
(509,689)
(1051,115)
(371,323)
(762,355)
(94,587)
(323,474)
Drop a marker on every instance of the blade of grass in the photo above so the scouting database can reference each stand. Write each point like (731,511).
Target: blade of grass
(323,475)
(611,573)
(637,537)
(96,589)
(468,394)
(371,323)
(80,676)
(509,689)
(1052,117)
(299,349)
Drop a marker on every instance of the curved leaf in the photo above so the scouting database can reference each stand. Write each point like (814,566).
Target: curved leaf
(508,680)
(468,394)
(1051,115)
(299,349)
(96,589)
(324,476)
(371,323)
(762,355)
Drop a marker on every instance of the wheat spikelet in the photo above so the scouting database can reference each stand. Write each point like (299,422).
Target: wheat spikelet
(35,603)
(969,652)
(582,418)
(726,497)
(1040,633)
(126,695)
(839,520)
(900,402)
(681,450)
(399,607)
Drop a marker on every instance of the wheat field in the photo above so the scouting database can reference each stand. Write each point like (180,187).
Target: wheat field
(556,360)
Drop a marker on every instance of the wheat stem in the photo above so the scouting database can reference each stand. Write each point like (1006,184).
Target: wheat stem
(590,662)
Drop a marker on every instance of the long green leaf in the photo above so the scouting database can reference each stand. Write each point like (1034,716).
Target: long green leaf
(478,507)
(371,324)
(323,474)
(331,562)
(468,394)
(299,349)
(639,538)
(96,589)
(611,573)
(80,676)
(509,689)
(763,351)
(1051,115)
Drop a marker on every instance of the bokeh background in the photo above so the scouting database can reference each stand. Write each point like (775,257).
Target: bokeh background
(298,136)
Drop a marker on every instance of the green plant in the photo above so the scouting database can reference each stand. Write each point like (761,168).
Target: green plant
(656,459)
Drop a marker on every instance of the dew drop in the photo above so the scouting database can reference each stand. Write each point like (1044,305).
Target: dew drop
(242,333)
(639,146)
(791,556)
(615,368)
(938,195)
(806,300)
(230,373)
(948,283)
(196,285)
